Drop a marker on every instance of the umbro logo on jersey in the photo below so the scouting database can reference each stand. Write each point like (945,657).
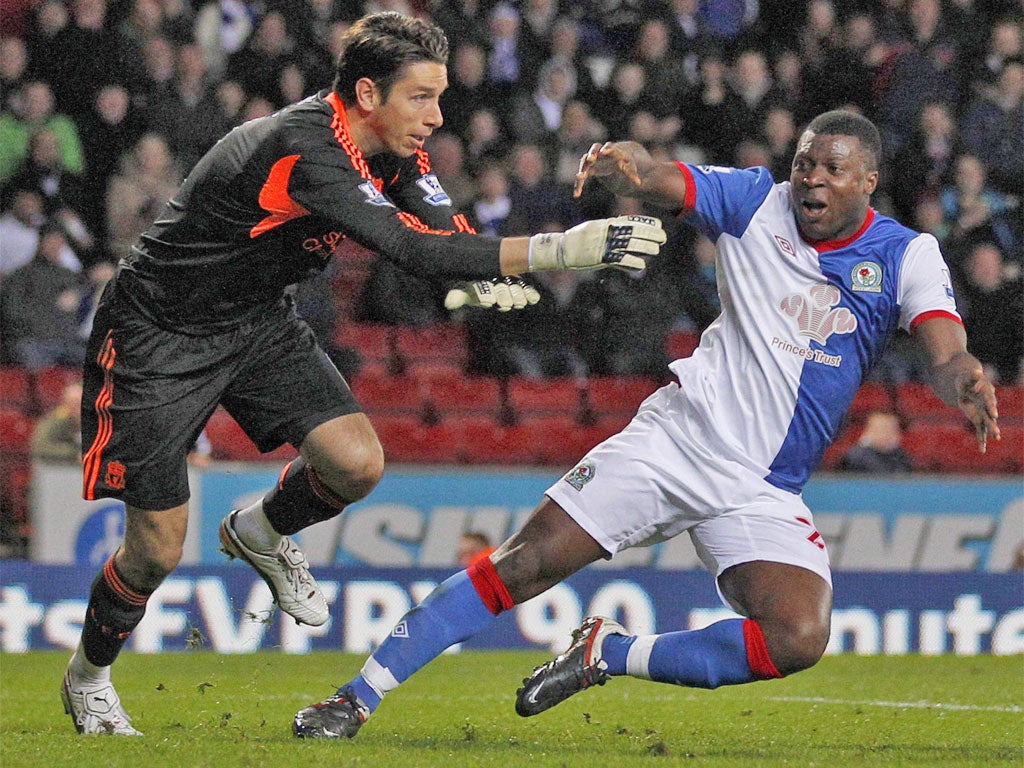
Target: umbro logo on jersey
(400,630)
(435,193)
(814,313)
(373,195)
(785,245)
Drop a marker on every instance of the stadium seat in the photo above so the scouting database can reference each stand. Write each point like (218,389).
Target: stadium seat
(373,341)
(917,401)
(485,441)
(16,428)
(1006,455)
(388,394)
(16,389)
(408,440)
(531,397)
(230,443)
(947,447)
(680,344)
(848,435)
(617,394)
(1011,405)
(461,394)
(872,396)
(49,383)
(443,342)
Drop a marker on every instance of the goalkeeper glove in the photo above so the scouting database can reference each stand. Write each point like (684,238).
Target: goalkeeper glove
(621,242)
(505,293)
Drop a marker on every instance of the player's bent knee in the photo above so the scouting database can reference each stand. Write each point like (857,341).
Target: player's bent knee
(798,645)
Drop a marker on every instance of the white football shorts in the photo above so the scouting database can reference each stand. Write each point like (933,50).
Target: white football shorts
(658,477)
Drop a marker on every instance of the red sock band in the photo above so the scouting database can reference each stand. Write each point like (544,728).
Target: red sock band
(757,652)
(489,586)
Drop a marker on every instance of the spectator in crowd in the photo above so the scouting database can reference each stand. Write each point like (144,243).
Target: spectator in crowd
(848,71)
(991,128)
(925,162)
(448,161)
(19,233)
(577,131)
(779,133)
(923,67)
(269,49)
(222,27)
(712,113)
(687,31)
(535,200)
(485,142)
(878,450)
(392,296)
(664,72)
(106,131)
(147,179)
(991,299)
(1004,45)
(565,49)
(493,207)
(158,79)
(13,71)
(58,434)
(506,69)
(38,308)
(473,546)
(61,191)
(535,118)
(35,100)
(468,88)
(975,211)
(463,21)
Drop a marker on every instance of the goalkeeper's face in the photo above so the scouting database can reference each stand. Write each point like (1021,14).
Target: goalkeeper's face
(831,185)
(411,112)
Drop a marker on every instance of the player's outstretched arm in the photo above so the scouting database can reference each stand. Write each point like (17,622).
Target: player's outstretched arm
(627,169)
(958,377)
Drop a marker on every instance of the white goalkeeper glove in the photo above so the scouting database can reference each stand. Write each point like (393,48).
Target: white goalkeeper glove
(503,293)
(621,242)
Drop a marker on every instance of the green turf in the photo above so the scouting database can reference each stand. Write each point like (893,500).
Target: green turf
(200,709)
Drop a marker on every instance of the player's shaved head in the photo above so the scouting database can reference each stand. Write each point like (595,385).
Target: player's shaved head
(378,46)
(839,122)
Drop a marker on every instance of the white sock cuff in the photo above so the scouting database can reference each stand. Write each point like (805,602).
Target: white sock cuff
(379,678)
(639,656)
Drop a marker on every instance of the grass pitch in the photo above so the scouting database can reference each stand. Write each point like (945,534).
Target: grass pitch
(200,709)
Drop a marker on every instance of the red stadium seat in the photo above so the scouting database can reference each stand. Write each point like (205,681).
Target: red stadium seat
(942,446)
(485,441)
(871,397)
(680,344)
(618,394)
(49,385)
(408,440)
(388,394)
(461,394)
(230,443)
(1006,455)
(372,341)
(444,341)
(917,401)
(529,397)
(16,389)
(16,430)
(1011,405)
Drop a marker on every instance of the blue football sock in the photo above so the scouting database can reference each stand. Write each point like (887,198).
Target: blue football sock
(703,658)
(450,614)
(614,651)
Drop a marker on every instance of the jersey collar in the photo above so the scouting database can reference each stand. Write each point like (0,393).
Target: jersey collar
(821,246)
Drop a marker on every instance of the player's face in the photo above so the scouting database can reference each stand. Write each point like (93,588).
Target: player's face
(831,185)
(412,110)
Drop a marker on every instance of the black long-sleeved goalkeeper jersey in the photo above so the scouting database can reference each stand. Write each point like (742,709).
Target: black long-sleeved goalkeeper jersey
(268,205)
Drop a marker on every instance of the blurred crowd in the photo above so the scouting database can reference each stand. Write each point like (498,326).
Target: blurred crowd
(106,104)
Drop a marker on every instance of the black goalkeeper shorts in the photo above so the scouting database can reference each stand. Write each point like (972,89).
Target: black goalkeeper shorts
(148,392)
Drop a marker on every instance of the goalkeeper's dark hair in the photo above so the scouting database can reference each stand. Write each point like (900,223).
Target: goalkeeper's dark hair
(839,122)
(378,46)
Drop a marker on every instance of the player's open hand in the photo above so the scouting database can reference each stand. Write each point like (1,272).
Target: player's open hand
(501,293)
(618,164)
(977,399)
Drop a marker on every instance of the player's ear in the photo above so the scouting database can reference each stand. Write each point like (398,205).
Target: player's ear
(871,182)
(367,94)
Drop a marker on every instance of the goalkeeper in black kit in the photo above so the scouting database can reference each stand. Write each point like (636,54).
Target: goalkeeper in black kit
(198,316)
